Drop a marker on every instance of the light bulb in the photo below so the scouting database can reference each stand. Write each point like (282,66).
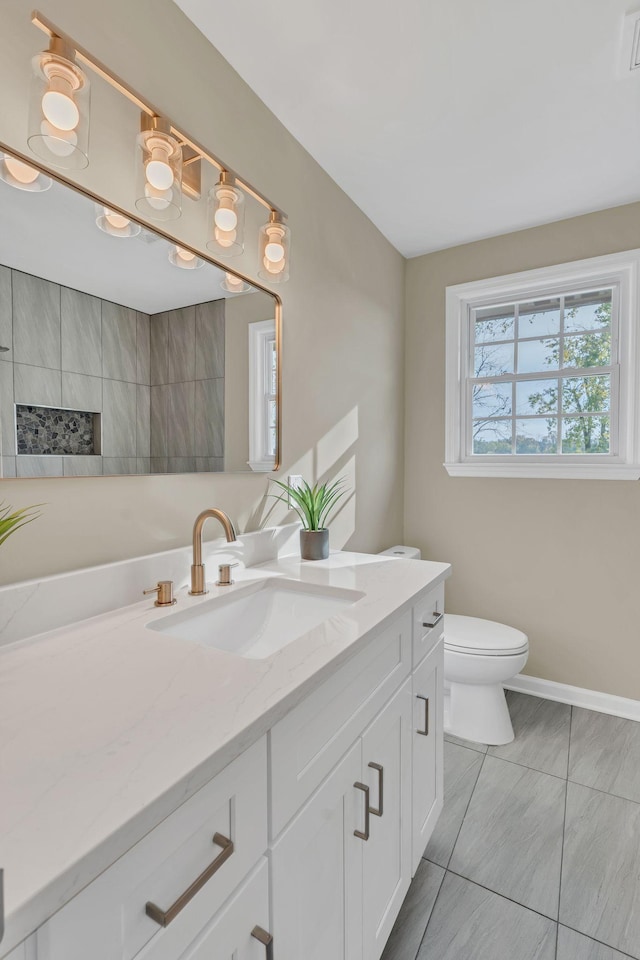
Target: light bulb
(274,251)
(60,110)
(159,174)
(272,267)
(20,171)
(61,143)
(116,220)
(226,218)
(226,238)
(233,283)
(185,255)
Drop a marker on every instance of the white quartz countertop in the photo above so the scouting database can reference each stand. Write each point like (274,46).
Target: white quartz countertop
(107,726)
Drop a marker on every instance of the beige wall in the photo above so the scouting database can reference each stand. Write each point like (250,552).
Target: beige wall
(559,559)
(343,327)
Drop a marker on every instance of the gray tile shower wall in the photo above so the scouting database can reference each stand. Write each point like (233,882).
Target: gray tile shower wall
(71,350)
(187,388)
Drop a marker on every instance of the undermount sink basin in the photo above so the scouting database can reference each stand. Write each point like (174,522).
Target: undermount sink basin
(258,620)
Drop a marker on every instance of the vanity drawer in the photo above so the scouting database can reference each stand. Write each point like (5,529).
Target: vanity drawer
(311,739)
(428,610)
(108,918)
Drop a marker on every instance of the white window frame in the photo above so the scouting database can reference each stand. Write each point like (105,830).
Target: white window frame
(262,334)
(620,271)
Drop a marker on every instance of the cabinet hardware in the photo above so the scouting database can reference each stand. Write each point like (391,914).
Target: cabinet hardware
(260,934)
(367,812)
(380,809)
(437,617)
(425,732)
(164,917)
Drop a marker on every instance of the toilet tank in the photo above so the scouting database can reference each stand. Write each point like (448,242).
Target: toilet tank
(409,553)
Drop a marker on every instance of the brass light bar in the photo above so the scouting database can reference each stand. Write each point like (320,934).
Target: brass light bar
(194,151)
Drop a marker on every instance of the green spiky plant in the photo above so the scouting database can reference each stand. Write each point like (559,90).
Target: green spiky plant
(314,505)
(12,521)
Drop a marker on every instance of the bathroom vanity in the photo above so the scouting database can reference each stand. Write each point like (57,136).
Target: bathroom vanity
(271,795)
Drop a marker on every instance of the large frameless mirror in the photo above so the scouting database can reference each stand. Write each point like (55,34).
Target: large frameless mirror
(122,353)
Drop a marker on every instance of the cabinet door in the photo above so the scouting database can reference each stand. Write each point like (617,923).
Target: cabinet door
(317,872)
(427,748)
(228,936)
(386,763)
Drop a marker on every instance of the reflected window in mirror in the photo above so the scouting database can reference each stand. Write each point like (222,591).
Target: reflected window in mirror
(263,393)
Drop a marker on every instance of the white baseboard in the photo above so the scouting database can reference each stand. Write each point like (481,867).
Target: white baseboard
(576,696)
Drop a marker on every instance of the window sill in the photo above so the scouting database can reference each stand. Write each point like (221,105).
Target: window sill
(544,471)
(262,466)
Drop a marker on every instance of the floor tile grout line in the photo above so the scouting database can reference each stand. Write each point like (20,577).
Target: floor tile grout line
(444,873)
(508,899)
(627,956)
(466,810)
(564,826)
(526,766)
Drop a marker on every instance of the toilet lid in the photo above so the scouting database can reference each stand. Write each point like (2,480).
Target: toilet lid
(485,637)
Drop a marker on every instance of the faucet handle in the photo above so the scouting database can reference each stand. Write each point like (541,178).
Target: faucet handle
(224,574)
(164,590)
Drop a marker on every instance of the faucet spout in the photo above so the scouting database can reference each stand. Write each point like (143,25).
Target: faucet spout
(198,580)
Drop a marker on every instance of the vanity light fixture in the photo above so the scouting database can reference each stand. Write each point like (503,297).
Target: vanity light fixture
(158,170)
(169,161)
(115,224)
(22,175)
(185,259)
(226,215)
(233,284)
(275,241)
(59,107)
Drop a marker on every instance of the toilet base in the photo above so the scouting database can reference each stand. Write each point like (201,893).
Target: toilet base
(478,712)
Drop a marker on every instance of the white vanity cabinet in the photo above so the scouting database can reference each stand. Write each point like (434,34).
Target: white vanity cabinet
(427,747)
(311,835)
(343,865)
(185,868)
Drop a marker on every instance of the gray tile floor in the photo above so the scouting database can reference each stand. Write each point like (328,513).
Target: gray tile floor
(536,855)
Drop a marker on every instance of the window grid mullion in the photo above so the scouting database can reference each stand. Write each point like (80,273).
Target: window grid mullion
(560,379)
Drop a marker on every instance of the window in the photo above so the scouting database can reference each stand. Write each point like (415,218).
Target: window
(263,395)
(542,373)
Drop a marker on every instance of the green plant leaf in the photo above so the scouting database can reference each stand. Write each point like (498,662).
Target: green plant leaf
(10,522)
(314,504)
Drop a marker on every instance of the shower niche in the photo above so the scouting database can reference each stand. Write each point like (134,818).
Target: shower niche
(51,431)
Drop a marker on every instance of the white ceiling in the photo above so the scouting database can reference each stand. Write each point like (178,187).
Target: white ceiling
(447,120)
(54,235)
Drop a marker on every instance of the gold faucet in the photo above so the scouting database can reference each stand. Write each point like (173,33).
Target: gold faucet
(198,582)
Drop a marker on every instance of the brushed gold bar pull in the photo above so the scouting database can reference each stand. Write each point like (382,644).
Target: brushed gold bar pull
(260,934)
(425,732)
(437,617)
(364,835)
(380,810)
(164,917)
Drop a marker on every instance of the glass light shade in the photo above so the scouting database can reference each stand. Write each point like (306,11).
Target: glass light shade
(233,284)
(22,175)
(114,223)
(226,218)
(184,259)
(59,105)
(158,171)
(274,253)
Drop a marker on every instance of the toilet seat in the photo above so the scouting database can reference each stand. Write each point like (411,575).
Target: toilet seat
(484,638)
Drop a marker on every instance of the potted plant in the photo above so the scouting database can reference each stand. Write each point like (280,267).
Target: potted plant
(10,522)
(314,505)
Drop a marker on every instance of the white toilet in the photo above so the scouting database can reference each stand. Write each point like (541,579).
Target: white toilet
(479,657)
